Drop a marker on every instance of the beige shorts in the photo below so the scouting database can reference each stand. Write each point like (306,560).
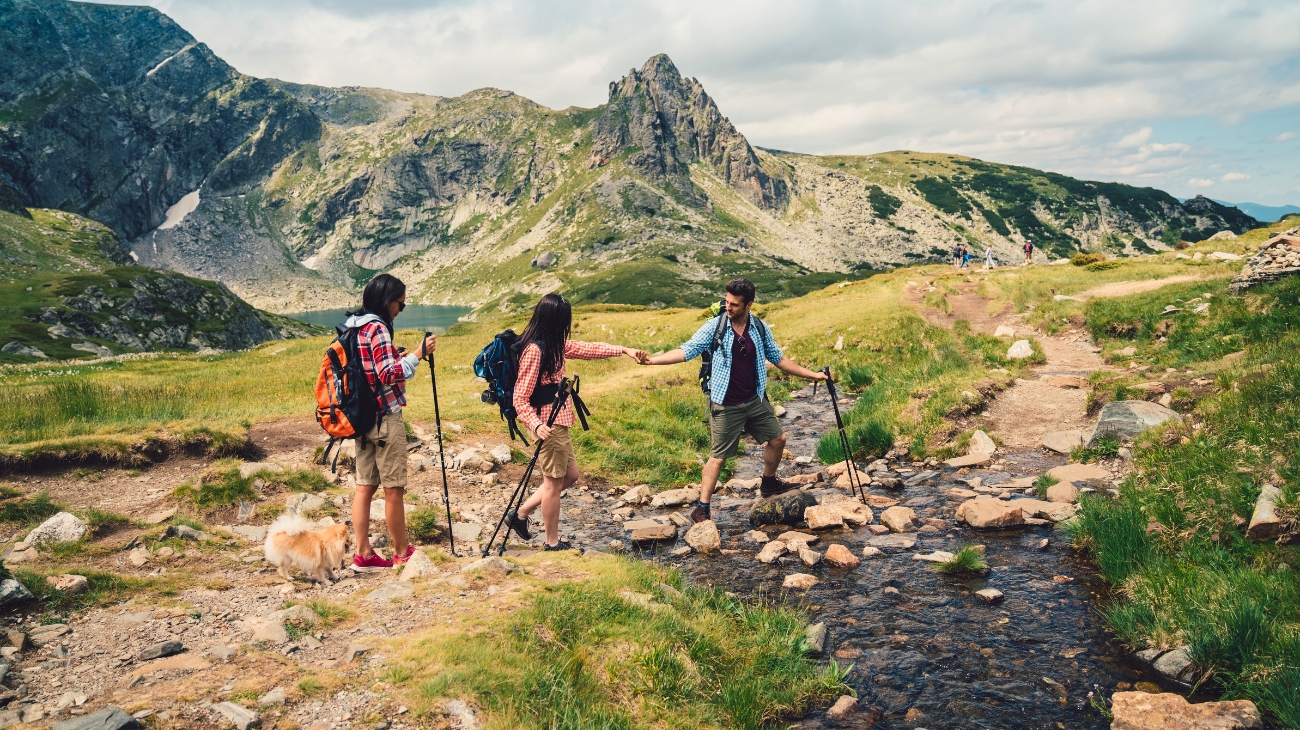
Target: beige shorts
(557,453)
(728,423)
(383,465)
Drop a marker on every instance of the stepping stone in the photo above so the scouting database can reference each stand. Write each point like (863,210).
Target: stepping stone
(792,536)
(1079,473)
(782,509)
(960,462)
(893,541)
(990,513)
(653,533)
(1063,442)
(800,581)
(989,595)
(938,556)
(1128,418)
(1143,711)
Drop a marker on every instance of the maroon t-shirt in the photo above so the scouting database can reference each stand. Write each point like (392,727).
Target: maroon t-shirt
(743,386)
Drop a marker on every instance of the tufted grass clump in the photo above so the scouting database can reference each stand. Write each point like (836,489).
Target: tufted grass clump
(966,561)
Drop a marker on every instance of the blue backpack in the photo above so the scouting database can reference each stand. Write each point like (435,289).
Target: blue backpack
(498,364)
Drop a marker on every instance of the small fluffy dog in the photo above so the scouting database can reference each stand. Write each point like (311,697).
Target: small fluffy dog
(295,540)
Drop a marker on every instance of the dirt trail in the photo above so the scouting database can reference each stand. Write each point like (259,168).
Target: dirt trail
(1032,408)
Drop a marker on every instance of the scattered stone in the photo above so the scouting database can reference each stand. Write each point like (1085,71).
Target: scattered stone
(989,595)
(898,519)
(985,512)
(62,527)
(880,502)
(138,557)
(791,537)
(419,566)
(616,546)
(465,531)
(893,541)
(1169,711)
(840,557)
(852,512)
(675,497)
(703,536)
(787,509)
(1279,256)
(1063,492)
(157,518)
(1019,350)
(1063,442)
(1174,664)
(959,493)
(681,551)
(354,651)
(1065,381)
(160,650)
(961,462)
(869,552)
(980,443)
(1265,522)
(1128,418)
(816,636)
(938,556)
(679,519)
(271,632)
(771,551)
(756,536)
(395,590)
(274,697)
(492,566)
(654,532)
(800,581)
(253,533)
(463,713)
(1004,331)
(809,557)
(13,591)
(640,494)
(302,504)
(109,718)
(821,517)
(501,454)
(921,478)
(185,532)
(242,718)
(18,348)
(224,653)
(42,635)
(1075,473)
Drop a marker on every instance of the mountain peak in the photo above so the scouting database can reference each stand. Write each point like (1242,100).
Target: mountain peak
(664,123)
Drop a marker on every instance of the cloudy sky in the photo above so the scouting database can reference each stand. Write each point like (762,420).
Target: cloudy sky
(1192,96)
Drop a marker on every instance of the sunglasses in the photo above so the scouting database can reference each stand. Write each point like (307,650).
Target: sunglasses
(401,306)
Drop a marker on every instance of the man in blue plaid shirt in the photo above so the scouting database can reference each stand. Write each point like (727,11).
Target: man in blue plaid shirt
(738,401)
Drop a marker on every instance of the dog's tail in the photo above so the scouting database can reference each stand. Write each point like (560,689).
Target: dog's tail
(291,525)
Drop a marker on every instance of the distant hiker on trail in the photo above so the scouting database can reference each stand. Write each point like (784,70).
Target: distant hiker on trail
(1029,252)
(381,455)
(965,256)
(544,347)
(989,263)
(956,256)
(738,390)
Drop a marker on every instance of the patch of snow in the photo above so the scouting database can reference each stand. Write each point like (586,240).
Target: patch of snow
(177,213)
(310,262)
(135,257)
(154,70)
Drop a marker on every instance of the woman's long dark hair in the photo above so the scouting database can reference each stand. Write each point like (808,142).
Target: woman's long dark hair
(379,293)
(549,328)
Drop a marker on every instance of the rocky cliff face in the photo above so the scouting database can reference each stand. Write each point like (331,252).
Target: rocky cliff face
(116,112)
(665,123)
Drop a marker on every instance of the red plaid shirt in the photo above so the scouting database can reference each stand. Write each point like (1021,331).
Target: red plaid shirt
(383,366)
(530,364)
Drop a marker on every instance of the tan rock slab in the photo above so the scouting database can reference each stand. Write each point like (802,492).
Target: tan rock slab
(1168,711)
(989,512)
(704,537)
(157,518)
(757,536)
(822,517)
(1063,442)
(675,497)
(981,443)
(844,707)
(800,581)
(841,557)
(898,519)
(1065,381)
(1265,522)
(657,532)
(1079,473)
(1063,492)
(185,662)
(960,462)
(959,493)
(792,536)
(809,557)
(880,501)
(771,551)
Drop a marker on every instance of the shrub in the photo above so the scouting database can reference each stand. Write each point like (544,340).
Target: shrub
(1083,259)
(1043,482)
(425,524)
(1103,266)
(867,440)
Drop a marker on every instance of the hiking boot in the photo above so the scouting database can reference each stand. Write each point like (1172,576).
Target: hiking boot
(400,560)
(519,525)
(700,514)
(561,545)
(772,486)
(371,564)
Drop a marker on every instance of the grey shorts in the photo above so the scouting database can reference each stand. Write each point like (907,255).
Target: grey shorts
(728,423)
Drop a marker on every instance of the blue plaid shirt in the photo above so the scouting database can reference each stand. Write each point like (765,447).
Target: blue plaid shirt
(764,344)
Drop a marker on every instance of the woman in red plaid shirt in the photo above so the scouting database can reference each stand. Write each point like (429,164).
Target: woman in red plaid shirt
(546,346)
(382,459)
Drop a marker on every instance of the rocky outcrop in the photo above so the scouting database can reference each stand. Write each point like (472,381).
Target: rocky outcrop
(1168,711)
(1279,256)
(665,123)
(1124,419)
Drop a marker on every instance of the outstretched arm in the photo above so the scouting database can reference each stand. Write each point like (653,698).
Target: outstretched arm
(672,357)
(786,365)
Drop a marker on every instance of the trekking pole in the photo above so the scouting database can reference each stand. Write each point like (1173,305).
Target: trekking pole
(520,490)
(442,459)
(855,484)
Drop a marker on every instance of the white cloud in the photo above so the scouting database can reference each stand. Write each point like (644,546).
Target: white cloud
(1234,177)
(1200,182)
(1285,136)
(1137,138)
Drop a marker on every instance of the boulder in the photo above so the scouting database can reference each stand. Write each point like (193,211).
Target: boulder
(394,591)
(1175,664)
(419,566)
(756,536)
(501,454)
(640,494)
(274,697)
(782,509)
(1004,331)
(651,533)
(160,650)
(62,527)
(815,634)
(1019,350)
(981,443)
(892,542)
(70,585)
(675,497)
(1169,711)
(1062,492)
(242,717)
(544,260)
(771,551)
(109,718)
(1075,473)
(851,511)
(1128,418)
(989,595)
(985,512)
(492,566)
(12,591)
(1063,442)
(841,557)
(791,537)
(704,537)
(898,519)
(960,462)
(800,581)
(842,481)
(1265,522)
(272,632)
(302,503)
(821,517)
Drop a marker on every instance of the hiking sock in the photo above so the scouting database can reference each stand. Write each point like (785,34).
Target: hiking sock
(704,506)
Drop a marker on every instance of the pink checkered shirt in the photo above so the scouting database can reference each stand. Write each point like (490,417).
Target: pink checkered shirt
(530,364)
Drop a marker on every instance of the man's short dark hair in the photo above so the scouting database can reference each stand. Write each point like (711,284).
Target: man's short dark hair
(743,288)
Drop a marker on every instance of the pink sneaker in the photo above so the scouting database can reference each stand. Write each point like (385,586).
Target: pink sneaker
(370,564)
(400,560)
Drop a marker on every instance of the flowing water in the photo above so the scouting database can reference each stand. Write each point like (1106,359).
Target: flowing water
(932,655)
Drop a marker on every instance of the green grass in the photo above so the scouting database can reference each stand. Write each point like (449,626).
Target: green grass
(426,524)
(579,656)
(219,486)
(29,512)
(1105,448)
(96,518)
(1042,483)
(102,589)
(966,561)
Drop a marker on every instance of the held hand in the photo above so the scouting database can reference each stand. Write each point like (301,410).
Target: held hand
(819,376)
(429,345)
(543,432)
(640,356)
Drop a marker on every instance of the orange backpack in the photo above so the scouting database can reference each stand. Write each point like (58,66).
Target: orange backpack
(346,406)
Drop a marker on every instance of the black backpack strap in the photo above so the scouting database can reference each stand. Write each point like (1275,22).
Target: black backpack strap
(579,407)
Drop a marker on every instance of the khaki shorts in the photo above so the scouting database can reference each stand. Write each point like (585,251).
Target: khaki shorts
(383,465)
(728,423)
(557,453)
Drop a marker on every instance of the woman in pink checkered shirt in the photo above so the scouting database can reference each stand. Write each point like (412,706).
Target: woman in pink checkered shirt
(546,346)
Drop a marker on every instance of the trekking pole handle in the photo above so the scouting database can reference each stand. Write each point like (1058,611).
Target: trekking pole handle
(830,383)
(428,355)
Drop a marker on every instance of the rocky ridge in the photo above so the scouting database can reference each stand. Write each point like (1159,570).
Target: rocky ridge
(1278,256)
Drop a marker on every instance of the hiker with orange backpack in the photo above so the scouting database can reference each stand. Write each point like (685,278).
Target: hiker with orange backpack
(369,410)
